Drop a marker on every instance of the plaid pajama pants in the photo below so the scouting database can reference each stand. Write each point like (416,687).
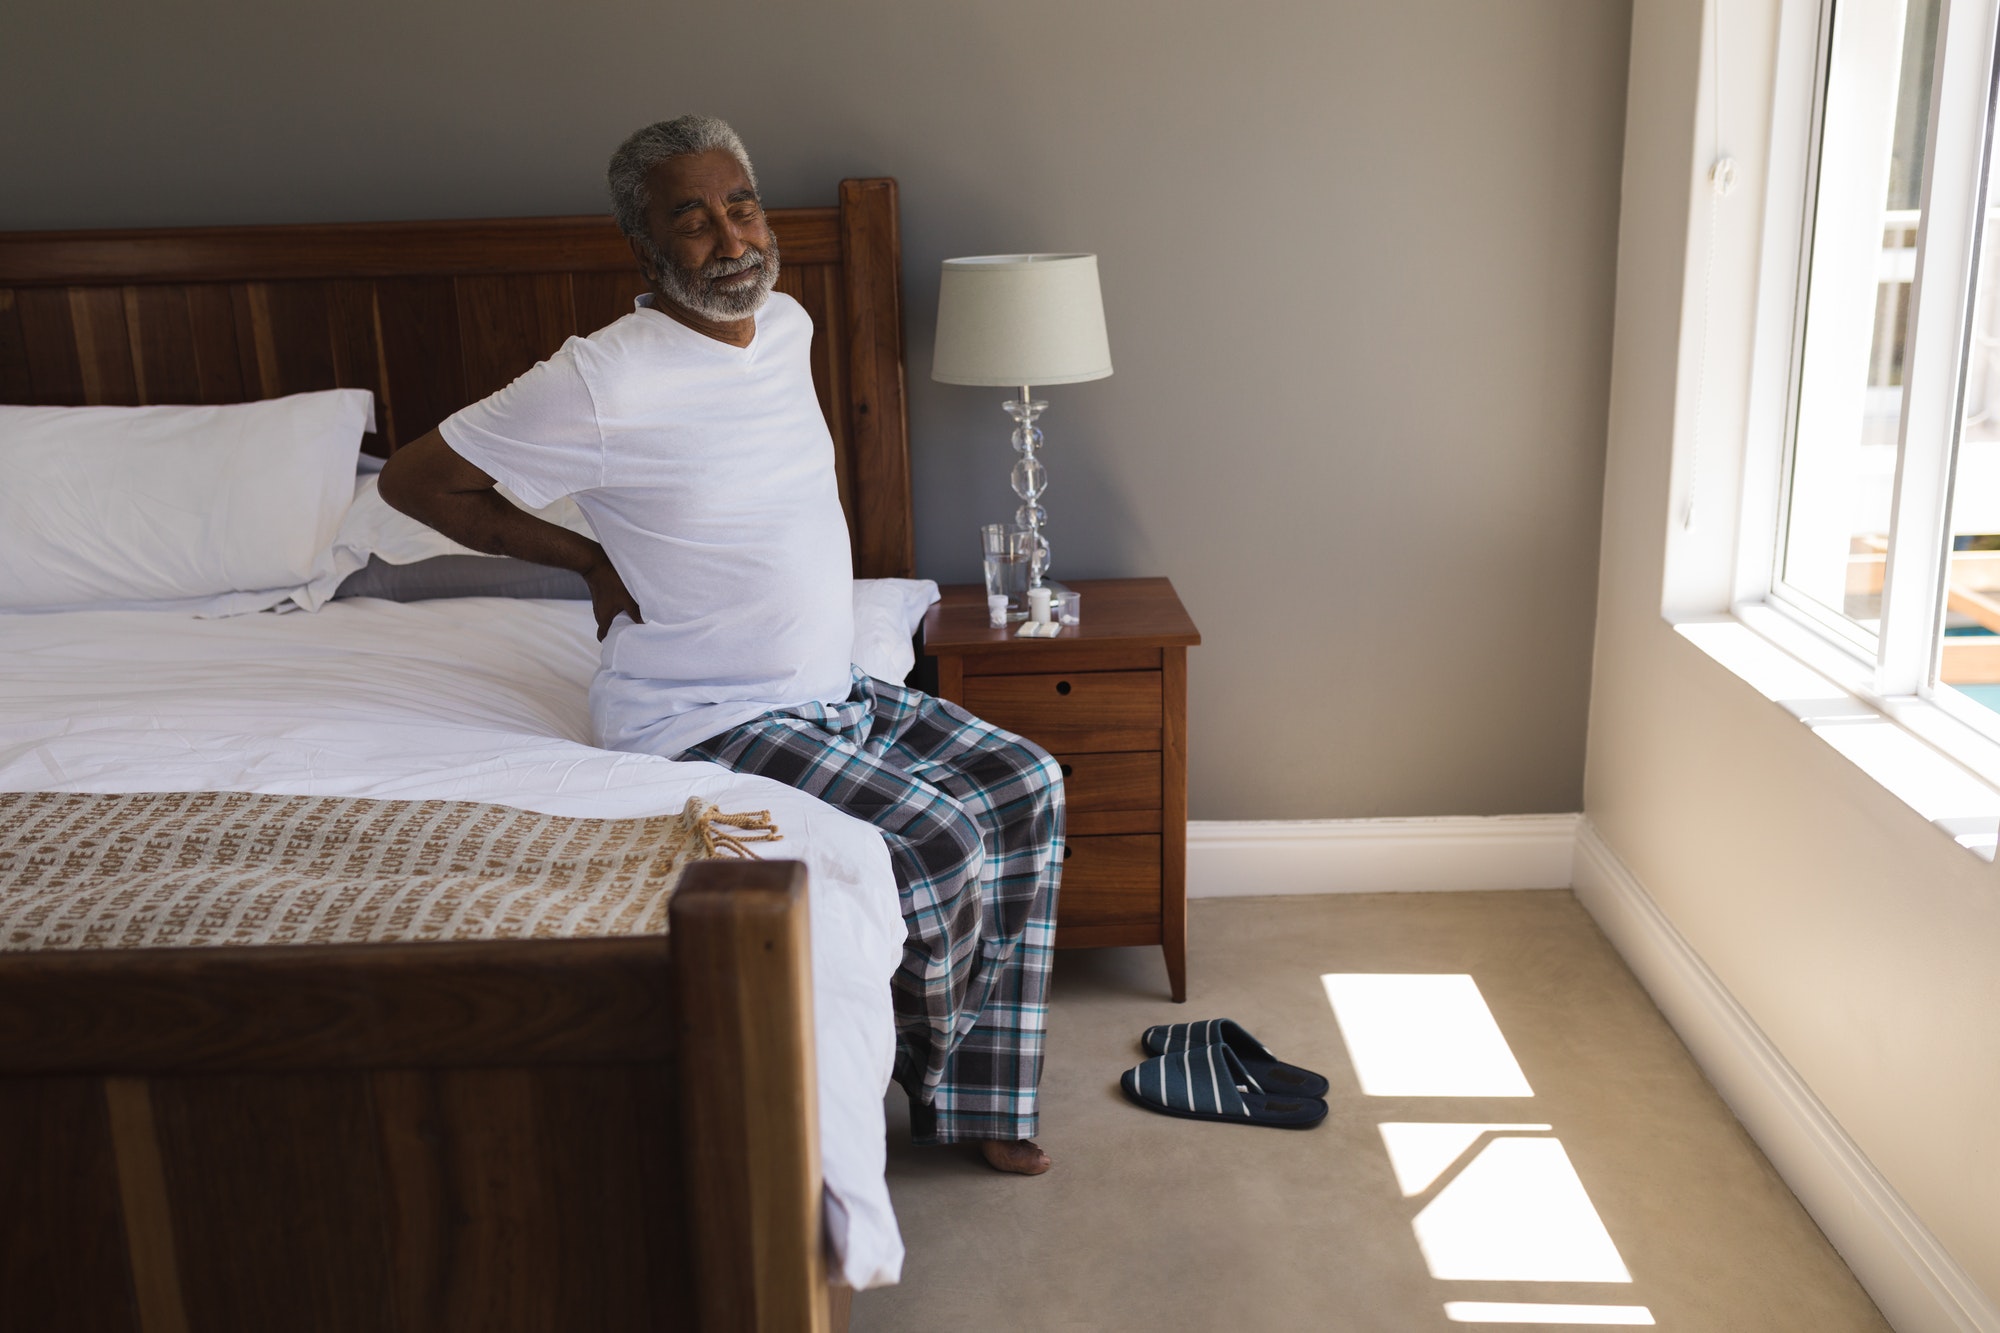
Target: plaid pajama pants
(973,816)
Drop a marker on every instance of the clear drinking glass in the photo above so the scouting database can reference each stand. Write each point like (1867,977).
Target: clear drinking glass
(1007,554)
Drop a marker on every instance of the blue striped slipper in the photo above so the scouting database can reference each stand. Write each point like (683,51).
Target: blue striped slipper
(1271,1073)
(1210,1083)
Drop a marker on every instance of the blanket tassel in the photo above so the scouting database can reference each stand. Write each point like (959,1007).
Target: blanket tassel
(718,839)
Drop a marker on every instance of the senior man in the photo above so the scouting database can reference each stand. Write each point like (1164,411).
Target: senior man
(689,433)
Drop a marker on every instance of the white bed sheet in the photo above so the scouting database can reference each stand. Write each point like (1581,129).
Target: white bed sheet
(475,699)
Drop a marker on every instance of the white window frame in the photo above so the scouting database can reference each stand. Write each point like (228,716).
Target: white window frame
(1895,670)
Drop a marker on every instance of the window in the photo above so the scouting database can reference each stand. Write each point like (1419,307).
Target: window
(1889,526)
(1867,227)
(1969,657)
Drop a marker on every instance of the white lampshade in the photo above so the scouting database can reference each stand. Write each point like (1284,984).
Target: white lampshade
(1020,319)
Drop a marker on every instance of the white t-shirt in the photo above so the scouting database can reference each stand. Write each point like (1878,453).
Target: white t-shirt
(707,472)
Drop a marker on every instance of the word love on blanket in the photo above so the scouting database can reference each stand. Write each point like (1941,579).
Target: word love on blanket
(178,869)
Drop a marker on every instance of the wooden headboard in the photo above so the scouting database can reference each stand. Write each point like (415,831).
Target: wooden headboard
(434,315)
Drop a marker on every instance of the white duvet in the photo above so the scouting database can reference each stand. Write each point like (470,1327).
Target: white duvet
(475,699)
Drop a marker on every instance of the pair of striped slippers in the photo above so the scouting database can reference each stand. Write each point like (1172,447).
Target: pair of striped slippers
(1215,1070)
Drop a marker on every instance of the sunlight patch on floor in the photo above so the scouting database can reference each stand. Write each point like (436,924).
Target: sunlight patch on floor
(1422,1035)
(1518,1213)
(1521,1312)
(1500,1201)
(1420,1153)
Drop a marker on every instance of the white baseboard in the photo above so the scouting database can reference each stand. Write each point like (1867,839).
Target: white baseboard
(1917,1285)
(1256,858)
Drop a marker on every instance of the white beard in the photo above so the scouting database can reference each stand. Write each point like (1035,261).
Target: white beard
(696,290)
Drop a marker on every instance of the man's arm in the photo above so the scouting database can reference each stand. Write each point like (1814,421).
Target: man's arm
(434,485)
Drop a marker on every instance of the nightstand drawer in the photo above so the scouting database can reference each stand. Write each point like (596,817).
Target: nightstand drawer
(1112,793)
(1119,781)
(1078,711)
(1110,880)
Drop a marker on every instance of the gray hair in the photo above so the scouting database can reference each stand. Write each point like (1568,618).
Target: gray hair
(654,144)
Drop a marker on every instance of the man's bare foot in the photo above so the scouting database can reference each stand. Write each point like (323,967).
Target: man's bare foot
(1017,1156)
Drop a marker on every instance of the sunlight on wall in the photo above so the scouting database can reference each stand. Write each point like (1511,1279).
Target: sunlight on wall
(1419,1154)
(1422,1035)
(1518,1213)
(1517,1312)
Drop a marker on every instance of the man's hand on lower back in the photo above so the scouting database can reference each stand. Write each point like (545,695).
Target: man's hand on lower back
(433,484)
(608,596)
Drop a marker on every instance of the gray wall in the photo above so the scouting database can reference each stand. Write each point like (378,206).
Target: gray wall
(1358,262)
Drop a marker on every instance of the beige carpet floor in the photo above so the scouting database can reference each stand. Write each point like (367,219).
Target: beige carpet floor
(1148,1222)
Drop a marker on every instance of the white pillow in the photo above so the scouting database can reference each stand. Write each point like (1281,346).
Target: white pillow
(210,510)
(886,615)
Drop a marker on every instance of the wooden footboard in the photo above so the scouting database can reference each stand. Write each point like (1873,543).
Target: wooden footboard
(597,1134)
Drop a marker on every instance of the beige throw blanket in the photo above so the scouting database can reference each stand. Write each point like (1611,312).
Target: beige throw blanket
(174,869)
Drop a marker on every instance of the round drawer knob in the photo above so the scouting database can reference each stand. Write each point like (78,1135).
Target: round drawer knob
(1069,770)
(1065,851)
(1062,687)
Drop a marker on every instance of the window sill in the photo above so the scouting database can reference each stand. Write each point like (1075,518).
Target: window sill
(1932,762)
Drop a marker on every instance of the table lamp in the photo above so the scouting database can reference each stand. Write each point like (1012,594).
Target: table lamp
(1022,320)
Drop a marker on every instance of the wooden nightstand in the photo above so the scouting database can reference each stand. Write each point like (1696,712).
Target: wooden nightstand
(1108,699)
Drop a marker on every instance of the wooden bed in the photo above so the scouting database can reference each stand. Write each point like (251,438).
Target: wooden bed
(591,1134)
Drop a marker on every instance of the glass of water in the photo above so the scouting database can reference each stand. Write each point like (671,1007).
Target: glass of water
(1008,554)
